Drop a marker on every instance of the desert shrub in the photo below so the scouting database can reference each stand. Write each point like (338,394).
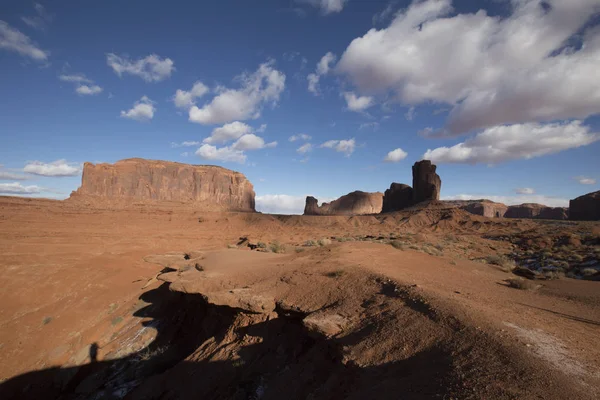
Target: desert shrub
(453,262)
(439,246)
(552,275)
(561,264)
(310,243)
(201,219)
(149,354)
(277,247)
(261,245)
(300,249)
(46,320)
(504,263)
(335,274)
(398,245)
(186,256)
(520,283)
(343,239)
(231,246)
(431,250)
(116,320)
(577,258)
(324,242)
(589,272)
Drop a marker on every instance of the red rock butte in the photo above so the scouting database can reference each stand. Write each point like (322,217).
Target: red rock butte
(205,186)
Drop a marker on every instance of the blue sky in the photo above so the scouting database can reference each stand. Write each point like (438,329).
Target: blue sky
(503,95)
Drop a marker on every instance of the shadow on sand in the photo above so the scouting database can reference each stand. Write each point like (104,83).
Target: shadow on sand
(282,361)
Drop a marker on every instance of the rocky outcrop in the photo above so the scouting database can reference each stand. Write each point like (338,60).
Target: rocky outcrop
(149,180)
(585,208)
(355,203)
(397,197)
(485,208)
(426,183)
(536,211)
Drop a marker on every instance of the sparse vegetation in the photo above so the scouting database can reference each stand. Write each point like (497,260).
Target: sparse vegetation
(116,320)
(335,274)
(398,245)
(310,243)
(504,263)
(277,247)
(186,256)
(46,320)
(261,245)
(520,283)
(201,219)
(587,272)
(199,267)
(232,246)
(324,242)
(149,354)
(300,249)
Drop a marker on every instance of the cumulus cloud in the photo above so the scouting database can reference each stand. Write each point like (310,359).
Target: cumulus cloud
(326,6)
(305,148)
(143,110)
(524,191)
(151,68)
(323,68)
(227,154)
(585,180)
(12,39)
(251,142)
(550,201)
(521,141)
(186,99)
(11,176)
(39,21)
(358,103)
(56,168)
(341,146)
(395,156)
(301,136)
(264,86)
(537,64)
(228,132)
(18,188)
(88,90)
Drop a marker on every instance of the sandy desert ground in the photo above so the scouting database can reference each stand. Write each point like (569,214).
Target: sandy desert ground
(164,301)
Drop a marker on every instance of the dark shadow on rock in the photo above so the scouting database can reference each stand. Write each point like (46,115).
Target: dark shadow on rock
(279,359)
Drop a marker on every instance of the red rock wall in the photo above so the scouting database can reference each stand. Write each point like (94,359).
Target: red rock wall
(149,180)
(355,203)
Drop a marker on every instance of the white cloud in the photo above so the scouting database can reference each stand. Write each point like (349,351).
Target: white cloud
(227,154)
(305,148)
(301,136)
(251,142)
(410,114)
(524,191)
(341,146)
(186,99)
(17,188)
(75,78)
(358,103)
(283,203)
(492,71)
(549,201)
(56,168)
(521,141)
(326,6)
(13,40)
(395,156)
(39,21)
(143,110)
(261,128)
(323,68)
(228,132)
(585,180)
(264,86)
(185,144)
(151,68)
(383,16)
(88,90)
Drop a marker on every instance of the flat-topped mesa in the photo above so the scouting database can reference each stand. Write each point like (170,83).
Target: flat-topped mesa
(585,208)
(150,180)
(426,183)
(536,211)
(355,203)
(484,208)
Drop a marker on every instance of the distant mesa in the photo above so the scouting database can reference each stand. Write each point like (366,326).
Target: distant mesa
(585,208)
(137,179)
(483,207)
(355,203)
(537,211)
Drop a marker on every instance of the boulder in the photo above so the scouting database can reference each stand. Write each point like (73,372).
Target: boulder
(149,180)
(397,197)
(355,203)
(585,208)
(426,183)
(536,211)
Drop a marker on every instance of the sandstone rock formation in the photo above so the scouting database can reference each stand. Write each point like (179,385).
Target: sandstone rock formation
(397,197)
(585,208)
(485,208)
(355,203)
(537,211)
(426,183)
(149,180)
